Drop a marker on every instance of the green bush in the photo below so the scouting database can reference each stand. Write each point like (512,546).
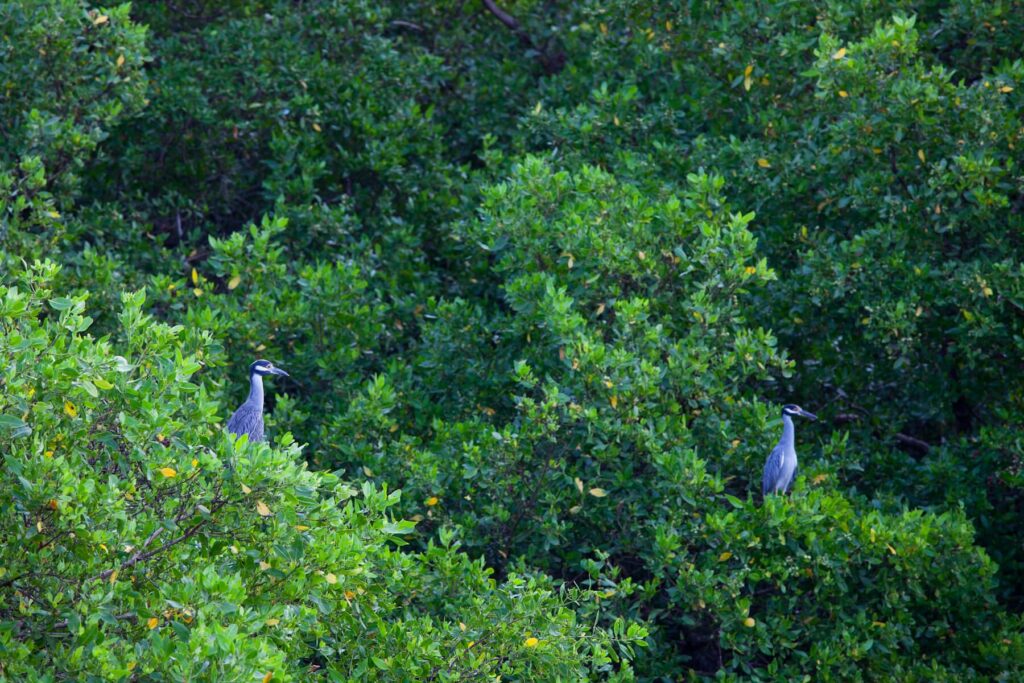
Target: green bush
(141,541)
(491,243)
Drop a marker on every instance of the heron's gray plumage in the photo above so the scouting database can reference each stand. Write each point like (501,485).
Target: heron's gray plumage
(780,468)
(248,419)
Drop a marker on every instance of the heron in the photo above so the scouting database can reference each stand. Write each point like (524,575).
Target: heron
(780,468)
(248,419)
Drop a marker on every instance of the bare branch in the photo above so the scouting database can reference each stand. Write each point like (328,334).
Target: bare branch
(911,442)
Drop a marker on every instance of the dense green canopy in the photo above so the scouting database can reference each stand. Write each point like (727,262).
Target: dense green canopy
(542,274)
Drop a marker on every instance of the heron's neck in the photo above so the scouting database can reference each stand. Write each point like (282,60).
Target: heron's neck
(255,390)
(788,432)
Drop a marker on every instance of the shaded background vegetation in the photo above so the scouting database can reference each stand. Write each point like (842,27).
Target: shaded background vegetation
(548,268)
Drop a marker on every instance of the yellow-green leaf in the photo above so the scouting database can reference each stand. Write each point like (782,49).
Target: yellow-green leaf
(724,556)
(764,163)
(839,54)
(262,509)
(234,282)
(103,384)
(598,492)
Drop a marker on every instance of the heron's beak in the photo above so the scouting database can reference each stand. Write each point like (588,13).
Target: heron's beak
(279,371)
(811,416)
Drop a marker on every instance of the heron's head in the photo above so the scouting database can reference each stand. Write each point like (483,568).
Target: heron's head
(265,367)
(797,411)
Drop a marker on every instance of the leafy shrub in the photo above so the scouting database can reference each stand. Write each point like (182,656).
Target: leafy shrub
(142,542)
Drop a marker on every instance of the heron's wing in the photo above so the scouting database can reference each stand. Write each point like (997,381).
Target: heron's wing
(247,420)
(773,470)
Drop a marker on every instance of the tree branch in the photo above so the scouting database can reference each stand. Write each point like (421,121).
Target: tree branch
(916,444)
(143,556)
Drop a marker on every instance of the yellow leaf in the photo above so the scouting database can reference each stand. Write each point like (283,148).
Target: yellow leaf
(579,484)
(301,527)
(331,579)
(367,471)
(349,595)
(891,549)
(316,127)
(120,60)
(197,291)
(48,454)
(462,627)
(876,150)
(531,642)
(52,504)
(747,82)
(604,28)
(764,163)
(615,120)
(751,270)
(100,20)
(749,622)
(839,54)
(272,622)
(39,526)
(262,509)
(986,290)
(194,462)
(920,155)
(234,282)
(843,93)
(724,556)
(113,577)
(432,501)
(246,490)
(608,383)
(878,624)
(614,400)
(264,566)
(152,623)
(641,255)
(168,472)
(195,277)
(820,478)
(1006,88)
(749,70)
(536,110)
(266,679)
(70,410)
(105,549)
(598,492)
